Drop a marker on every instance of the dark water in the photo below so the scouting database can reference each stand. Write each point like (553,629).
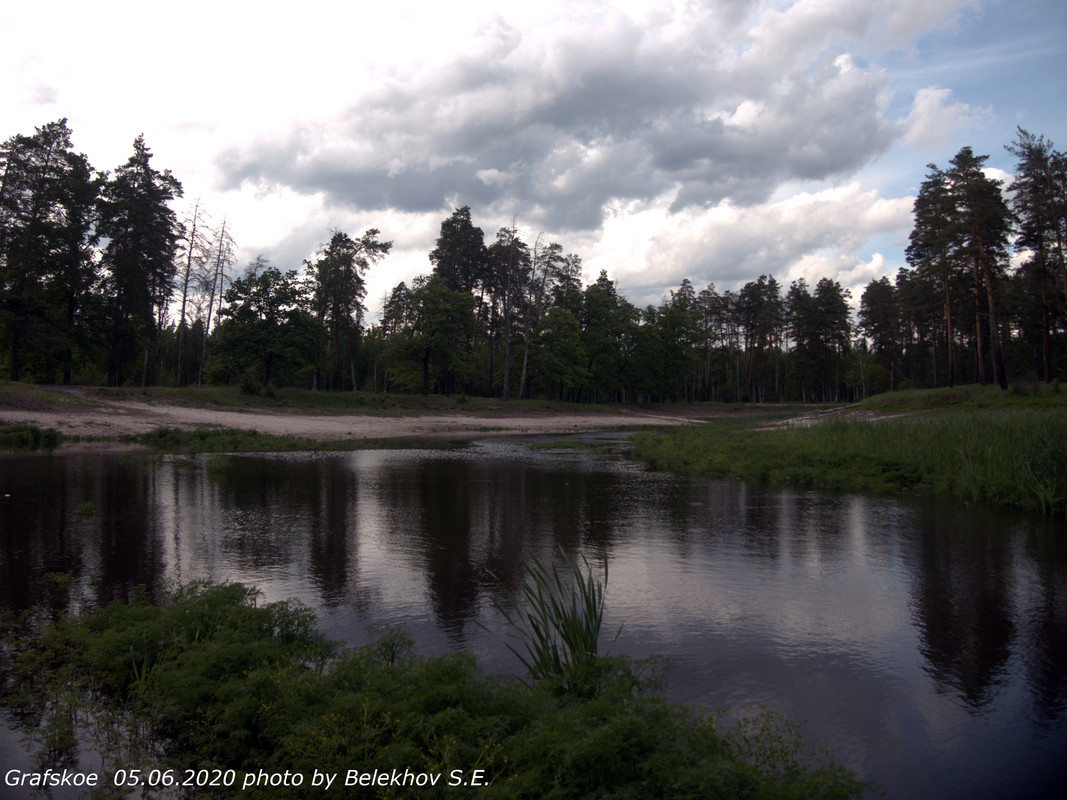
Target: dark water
(926,644)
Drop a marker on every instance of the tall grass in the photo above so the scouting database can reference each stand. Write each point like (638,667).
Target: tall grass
(557,624)
(1011,458)
(29,437)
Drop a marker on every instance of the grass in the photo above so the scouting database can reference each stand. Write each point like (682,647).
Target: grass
(557,624)
(209,678)
(372,403)
(29,437)
(29,397)
(971,397)
(998,455)
(236,440)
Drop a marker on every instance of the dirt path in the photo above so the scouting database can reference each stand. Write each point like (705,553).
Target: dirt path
(110,417)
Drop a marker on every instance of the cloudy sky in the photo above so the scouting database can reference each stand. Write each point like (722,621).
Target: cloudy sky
(715,139)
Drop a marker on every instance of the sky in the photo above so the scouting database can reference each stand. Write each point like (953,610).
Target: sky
(716,141)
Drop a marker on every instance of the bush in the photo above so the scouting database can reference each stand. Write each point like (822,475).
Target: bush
(208,678)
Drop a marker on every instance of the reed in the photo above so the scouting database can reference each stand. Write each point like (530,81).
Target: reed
(557,625)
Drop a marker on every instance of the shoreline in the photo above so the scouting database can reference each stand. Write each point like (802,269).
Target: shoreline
(114,418)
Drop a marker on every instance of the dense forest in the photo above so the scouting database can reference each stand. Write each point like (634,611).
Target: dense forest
(102,282)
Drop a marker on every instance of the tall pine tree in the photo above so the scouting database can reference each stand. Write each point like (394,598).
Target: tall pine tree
(46,197)
(141,232)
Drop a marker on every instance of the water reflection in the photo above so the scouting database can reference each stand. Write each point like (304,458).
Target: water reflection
(964,606)
(926,643)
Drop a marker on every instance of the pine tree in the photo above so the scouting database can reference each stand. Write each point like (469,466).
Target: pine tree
(339,293)
(933,248)
(142,232)
(47,195)
(985,224)
(1039,199)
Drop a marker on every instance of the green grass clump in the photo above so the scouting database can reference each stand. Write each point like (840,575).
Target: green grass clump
(29,437)
(235,440)
(557,624)
(210,679)
(1011,458)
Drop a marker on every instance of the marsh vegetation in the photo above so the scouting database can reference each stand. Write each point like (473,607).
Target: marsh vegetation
(210,678)
(964,444)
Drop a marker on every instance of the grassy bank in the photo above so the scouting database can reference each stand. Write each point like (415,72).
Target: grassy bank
(32,397)
(1004,456)
(28,438)
(237,440)
(207,679)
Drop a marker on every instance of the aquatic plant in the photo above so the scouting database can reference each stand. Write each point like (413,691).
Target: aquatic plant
(557,624)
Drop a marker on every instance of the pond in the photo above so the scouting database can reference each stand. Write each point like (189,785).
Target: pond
(925,643)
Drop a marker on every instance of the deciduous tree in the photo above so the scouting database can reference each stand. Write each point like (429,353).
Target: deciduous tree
(337,275)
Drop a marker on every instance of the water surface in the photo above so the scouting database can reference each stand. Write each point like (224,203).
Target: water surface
(926,643)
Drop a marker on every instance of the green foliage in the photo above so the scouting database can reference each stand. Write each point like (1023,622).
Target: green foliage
(267,332)
(87,273)
(209,678)
(1006,458)
(971,397)
(338,293)
(47,198)
(431,324)
(557,624)
(235,440)
(142,234)
(29,437)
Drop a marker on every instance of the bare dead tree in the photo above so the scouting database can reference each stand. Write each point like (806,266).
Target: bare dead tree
(195,254)
(213,280)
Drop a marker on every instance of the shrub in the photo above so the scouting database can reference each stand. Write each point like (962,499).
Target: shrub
(208,678)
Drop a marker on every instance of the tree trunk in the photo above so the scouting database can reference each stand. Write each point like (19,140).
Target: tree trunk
(994,329)
(948,335)
(14,352)
(979,334)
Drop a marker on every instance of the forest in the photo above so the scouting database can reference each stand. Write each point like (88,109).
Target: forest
(102,282)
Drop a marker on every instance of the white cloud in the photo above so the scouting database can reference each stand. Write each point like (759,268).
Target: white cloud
(934,121)
(656,139)
(809,235)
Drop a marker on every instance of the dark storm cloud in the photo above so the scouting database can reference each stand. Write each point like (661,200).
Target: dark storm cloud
(554,131)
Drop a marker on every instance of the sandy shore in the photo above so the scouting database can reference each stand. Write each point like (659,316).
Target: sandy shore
(110,418)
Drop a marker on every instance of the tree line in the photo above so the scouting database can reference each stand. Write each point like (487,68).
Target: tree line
(92,262)
(102,282)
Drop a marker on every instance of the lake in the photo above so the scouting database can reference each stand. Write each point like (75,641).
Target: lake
(924,642)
